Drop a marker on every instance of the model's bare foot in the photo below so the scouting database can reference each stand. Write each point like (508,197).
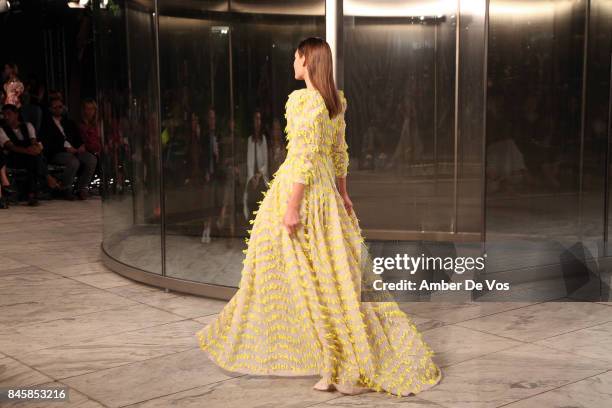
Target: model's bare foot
(324,385)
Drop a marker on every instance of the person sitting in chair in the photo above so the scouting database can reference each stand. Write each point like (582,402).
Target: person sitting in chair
(25,151)
(64,146)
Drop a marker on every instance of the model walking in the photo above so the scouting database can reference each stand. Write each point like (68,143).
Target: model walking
(298,310)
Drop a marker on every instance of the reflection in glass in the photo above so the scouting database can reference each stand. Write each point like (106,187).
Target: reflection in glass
(598,129)
(536,177)
(399,80)
(224,83)
(129,110)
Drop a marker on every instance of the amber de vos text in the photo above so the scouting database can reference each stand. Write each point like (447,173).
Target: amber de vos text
(412,264)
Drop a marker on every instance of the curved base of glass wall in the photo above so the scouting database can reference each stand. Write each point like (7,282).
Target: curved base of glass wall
(165,282)
(532,272)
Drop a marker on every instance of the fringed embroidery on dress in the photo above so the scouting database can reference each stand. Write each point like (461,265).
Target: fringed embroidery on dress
(298,309)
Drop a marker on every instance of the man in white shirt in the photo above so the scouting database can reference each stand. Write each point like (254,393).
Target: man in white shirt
(25,151)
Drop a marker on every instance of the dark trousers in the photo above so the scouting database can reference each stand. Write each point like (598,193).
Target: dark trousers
(72,163)
(36,167)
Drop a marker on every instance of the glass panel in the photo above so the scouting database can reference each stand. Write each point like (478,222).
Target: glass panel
(401,115)
(541,229)
(224,77)
(598,131)
(127,81)
(470,138)
(401,130)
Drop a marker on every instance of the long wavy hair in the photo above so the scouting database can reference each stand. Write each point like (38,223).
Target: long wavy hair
(89,101)
(320,70)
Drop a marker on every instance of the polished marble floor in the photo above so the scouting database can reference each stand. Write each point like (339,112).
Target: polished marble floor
(68,321)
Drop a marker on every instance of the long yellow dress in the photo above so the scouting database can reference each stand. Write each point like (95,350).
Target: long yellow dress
(298,309)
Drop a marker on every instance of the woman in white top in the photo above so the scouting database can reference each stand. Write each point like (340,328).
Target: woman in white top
(257,166)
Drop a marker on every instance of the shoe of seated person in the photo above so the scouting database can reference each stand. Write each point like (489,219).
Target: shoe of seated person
(45,195)
(68,195)
(56,193)
(33,201)
(8,190)
(4,203)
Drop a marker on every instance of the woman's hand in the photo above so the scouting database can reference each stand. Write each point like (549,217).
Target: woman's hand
(291,220)
(348,204)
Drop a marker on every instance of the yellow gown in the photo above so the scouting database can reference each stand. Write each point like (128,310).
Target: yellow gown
(298,309)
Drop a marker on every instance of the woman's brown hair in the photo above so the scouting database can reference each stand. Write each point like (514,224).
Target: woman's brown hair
(320,70)
(89,101)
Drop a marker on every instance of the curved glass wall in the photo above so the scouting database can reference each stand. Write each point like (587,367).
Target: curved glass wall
(474,128)
(224,76)
(401,117)
(548,95)
(128,108)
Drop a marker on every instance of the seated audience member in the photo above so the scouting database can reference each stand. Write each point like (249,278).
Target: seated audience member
(13,87)
(30,112)
(55,94)
(25,151)
(88,128)
(63,146)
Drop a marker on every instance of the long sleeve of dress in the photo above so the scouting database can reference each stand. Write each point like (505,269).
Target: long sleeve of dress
(306,136)
(340,147)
